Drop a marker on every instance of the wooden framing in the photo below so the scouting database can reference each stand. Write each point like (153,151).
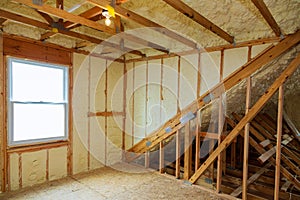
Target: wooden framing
(278,147)
(147,154)
(187,152)
(146,22)
(248,117)
(197,132)
(124,110)
(161,157)
(246,70)
(67,16)
(263,9)
(194,15)
(178,155)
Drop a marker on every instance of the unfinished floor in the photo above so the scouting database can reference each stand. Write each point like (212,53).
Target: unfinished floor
(112,183)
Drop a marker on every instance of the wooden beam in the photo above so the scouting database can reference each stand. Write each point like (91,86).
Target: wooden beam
(263,9)
(60,4)
(246,133)
(278,146)
(194,15)
(249,116)
(253,178)
(178,155)
(146,22)
(243,72)
(187,152)
(46,17)
(161,157)
(261,150)
(67,16)
(198,130)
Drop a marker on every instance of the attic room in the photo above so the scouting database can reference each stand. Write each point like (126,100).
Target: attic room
(161,99)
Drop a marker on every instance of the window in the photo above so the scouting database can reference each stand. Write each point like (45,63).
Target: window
(37,102)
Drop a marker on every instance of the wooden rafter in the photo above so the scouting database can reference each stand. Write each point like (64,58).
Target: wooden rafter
(46,17)
(2,20)
(197,17)
(146,22)
(248,117)
(67,16)
(263,9)
(11,16)
(246,70)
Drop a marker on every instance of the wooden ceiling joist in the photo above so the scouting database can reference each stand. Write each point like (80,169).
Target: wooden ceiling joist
(67,16)
(263,9)
(46,17)
(194,15)
(18,18)
(81,20)
(146,22)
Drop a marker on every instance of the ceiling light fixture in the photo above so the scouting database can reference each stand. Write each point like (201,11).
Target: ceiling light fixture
(106,14)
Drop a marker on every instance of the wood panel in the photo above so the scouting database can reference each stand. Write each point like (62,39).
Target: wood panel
(27,50)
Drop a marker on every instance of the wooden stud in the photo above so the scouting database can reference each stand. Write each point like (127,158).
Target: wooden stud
(70,122)
(124,110)
(146,115)
(249,116)
(161,157)
(194,15)
(3,153)
(198,130)
(178,155)
(199,75)
(20,170)
(278,146)
(89,119)
(263,9)
(47,164)
(133,85)
(246,133)
(220,129)
(233,155)
(106,104)
(187,152)
(178,84)
(246,70)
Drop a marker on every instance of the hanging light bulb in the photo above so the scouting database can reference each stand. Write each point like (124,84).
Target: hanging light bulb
(107,21)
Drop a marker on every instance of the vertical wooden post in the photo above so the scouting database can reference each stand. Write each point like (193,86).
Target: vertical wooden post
(89,119)
(198,130)
(124,108)
(178,155)
(178,84)
(220,129)
(20,170)
(3,144)
(47,164)
(105,122)
(233,155)
(70,142)
(133,85)
(198,120)
(161,157)
(187,152)
(146,113)
(246,134)
(278,146)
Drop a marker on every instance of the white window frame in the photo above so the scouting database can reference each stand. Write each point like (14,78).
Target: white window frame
(11,103)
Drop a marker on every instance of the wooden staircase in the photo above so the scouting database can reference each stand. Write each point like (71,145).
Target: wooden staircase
(262,129)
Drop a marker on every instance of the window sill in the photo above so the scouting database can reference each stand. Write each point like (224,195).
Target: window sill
(36,147)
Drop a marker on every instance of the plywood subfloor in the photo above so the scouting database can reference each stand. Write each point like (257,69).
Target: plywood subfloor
(120,182)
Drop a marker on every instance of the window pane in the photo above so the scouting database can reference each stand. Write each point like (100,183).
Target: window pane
(36,121)
(37,83)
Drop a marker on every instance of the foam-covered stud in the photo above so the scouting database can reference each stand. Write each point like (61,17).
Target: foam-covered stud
(189,116)
(168,129)
(148,143)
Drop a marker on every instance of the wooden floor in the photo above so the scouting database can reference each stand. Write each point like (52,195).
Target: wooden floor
(109,183)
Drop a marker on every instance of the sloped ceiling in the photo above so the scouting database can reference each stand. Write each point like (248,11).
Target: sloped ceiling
(239,18)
